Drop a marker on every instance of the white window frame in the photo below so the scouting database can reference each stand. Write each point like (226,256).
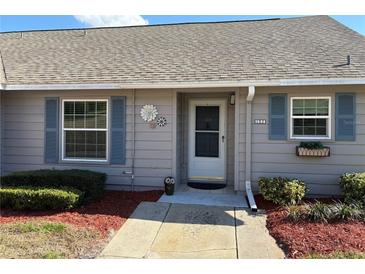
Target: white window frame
(85,129)
(328,117)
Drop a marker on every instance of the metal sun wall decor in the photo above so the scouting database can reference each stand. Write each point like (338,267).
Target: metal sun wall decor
(149,113)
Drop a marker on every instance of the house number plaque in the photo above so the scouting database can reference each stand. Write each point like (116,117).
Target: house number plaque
(259,121)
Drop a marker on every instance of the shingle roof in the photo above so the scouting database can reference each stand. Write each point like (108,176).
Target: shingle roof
(297,48)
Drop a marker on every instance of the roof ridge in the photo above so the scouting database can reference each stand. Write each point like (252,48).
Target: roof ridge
(169,24)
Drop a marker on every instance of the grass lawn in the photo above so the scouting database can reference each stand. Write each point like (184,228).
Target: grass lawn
(48,240)
(337,255)
(78,233)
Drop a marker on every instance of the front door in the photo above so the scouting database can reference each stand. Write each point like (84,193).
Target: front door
(207,140)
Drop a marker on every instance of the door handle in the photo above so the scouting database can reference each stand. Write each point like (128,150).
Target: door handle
(222,139)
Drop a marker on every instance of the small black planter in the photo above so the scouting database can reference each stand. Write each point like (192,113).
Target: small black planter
(169,189)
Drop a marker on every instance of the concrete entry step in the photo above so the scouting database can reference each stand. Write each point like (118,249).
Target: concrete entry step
(205,197)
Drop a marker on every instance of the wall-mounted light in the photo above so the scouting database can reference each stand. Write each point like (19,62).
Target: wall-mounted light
(232,99)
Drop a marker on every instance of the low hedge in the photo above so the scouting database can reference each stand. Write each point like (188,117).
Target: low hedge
(282,191)
(353,187)
(90,182)
(25,197)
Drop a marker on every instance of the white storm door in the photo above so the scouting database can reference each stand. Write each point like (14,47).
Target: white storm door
(207,140)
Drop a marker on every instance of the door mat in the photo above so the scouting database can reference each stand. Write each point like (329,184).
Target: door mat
(208,186)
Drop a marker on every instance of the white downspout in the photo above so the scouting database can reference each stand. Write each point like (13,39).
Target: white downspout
(250,197)
(131,172)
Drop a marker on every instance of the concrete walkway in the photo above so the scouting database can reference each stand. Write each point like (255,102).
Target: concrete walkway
(163,230)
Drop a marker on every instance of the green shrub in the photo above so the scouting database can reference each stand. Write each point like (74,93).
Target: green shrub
(282,191)
(342,211)
(322,212)
(26,197)
(296,212)
(90,182)
(318,212)
(353,187)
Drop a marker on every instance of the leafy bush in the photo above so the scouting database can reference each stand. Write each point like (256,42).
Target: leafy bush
(25,197)
(342,211)
(311,145)
(353,187)
(295,212)
(282,191)
(90,182)
(322,212)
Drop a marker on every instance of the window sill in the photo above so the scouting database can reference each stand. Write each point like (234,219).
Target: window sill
(310,138)
(81,161)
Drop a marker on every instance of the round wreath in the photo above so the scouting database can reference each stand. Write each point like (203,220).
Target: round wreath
(149,113)
(161,121)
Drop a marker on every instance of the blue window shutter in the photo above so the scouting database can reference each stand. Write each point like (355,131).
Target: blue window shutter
(118,130)
(278,116)
(51,130)
(345,117)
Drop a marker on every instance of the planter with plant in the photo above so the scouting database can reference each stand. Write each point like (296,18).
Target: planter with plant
(312,149)
(169,185)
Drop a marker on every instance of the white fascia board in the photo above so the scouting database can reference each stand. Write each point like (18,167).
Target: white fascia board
(319,82)
(258,83)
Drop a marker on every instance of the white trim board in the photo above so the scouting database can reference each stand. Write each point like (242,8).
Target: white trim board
(202,84)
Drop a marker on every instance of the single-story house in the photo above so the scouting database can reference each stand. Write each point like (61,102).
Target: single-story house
(221,102)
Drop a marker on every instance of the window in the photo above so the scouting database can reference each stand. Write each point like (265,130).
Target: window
(310,118)
(85,130)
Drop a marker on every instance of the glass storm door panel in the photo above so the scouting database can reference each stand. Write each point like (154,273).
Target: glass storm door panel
(207,131)
(206,140)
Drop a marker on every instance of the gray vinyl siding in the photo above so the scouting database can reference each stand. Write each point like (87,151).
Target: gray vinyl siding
(277,158)
(23,138)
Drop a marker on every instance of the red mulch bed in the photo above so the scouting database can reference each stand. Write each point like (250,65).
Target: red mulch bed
(265,204)
(303,238)
(110,212)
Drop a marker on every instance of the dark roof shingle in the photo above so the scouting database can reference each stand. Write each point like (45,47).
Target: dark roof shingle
(298,48)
